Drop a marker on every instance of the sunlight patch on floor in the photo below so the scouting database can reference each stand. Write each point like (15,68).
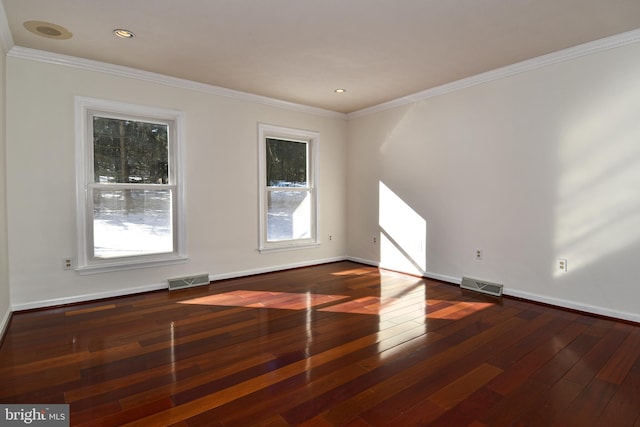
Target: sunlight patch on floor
(266,299)
(459,311)
(387,307)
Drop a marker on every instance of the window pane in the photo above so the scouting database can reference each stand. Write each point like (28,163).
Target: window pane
(128,151)
(131,222)
(286,163)
(288,215)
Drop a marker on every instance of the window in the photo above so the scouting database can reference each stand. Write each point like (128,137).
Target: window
(288,187)
(129,185)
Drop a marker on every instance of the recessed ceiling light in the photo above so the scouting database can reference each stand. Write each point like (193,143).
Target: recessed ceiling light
(123,34)
(47,29)
(340,90)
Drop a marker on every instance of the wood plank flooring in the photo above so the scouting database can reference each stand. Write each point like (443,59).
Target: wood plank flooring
(339,344)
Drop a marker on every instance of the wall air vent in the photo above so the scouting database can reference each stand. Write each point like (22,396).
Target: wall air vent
(188,282)
(481,286)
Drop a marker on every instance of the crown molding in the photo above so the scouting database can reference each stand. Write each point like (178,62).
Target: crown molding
(590,48)
(568,54)
(6,39)
(147,76)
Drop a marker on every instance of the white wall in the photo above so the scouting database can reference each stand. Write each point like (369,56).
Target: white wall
(5,308)
(530,168)
(222,212)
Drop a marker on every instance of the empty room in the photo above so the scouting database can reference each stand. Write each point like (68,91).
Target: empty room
(320,213)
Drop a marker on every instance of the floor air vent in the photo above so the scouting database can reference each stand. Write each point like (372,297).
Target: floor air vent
(481,286)
(189,281)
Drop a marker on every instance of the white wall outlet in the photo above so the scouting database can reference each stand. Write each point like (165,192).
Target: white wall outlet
(67,263)
(330,237)
(561,265)
(375,240)
(479,254)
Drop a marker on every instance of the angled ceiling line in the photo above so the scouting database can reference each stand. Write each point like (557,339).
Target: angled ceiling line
(611,42)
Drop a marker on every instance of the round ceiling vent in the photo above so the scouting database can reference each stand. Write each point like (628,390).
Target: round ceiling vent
(47,29)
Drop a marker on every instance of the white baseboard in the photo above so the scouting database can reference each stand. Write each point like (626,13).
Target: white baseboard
(572,305)
(4,323)
(157,286)
(271,269)
(601,311)
(426,274)
(362,261)
(87,297)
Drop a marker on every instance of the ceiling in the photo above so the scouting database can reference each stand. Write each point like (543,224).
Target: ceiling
(302,50)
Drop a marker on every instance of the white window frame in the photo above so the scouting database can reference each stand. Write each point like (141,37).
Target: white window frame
(85,109)
(312,139)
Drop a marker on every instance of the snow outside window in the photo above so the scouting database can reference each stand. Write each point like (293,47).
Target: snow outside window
(288,189)
(129,186)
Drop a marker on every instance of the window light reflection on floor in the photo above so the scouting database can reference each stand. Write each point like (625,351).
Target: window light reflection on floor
(387,307)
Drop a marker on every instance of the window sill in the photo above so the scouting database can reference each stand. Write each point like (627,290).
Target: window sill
(128,265)
(288,247)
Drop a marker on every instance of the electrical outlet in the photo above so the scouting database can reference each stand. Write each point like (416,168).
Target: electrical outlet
(67,263)
(562,265)
(479,254)
(330,237)
(375,240)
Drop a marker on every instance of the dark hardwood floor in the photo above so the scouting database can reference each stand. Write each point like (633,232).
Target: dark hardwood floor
(339,344)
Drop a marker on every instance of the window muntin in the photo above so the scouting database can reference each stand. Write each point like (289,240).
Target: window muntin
(129,187)
(288,202)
